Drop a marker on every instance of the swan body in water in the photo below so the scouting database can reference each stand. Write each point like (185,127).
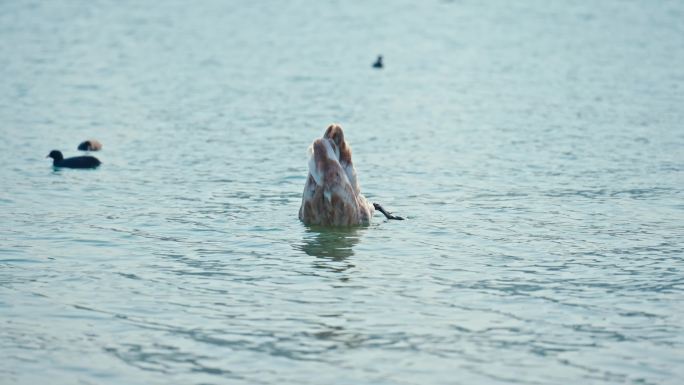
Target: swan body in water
(332,196)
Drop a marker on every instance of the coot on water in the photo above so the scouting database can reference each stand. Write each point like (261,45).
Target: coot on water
(75,162)
(378,62)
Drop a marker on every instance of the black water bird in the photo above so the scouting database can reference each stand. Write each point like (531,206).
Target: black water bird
(378,62)
(75,162)
(90,145)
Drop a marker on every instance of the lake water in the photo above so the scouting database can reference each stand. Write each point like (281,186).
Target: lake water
(536,148)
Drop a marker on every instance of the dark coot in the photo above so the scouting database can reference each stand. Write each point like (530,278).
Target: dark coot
(90,145)
(75,162)
(378,62)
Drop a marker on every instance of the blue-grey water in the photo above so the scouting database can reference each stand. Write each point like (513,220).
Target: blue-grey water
(536,147)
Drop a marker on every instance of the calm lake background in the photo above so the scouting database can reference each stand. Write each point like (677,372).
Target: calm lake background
(536,147)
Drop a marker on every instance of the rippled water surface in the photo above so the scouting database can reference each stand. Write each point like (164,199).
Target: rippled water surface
(536,147)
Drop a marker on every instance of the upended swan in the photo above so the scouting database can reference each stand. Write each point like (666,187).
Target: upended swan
(332,196)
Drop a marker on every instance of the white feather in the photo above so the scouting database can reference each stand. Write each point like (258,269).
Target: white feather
(318,178)
(331,152)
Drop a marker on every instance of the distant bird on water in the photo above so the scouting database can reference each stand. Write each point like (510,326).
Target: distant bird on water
(332,196)
(75,162)
(90,145)
(378,62)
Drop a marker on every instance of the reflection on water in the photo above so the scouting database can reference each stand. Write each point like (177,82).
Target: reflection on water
(332,243)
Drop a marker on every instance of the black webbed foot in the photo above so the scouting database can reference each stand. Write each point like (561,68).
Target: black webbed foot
(387,214)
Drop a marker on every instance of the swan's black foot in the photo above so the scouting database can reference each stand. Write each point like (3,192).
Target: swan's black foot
(387,214)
